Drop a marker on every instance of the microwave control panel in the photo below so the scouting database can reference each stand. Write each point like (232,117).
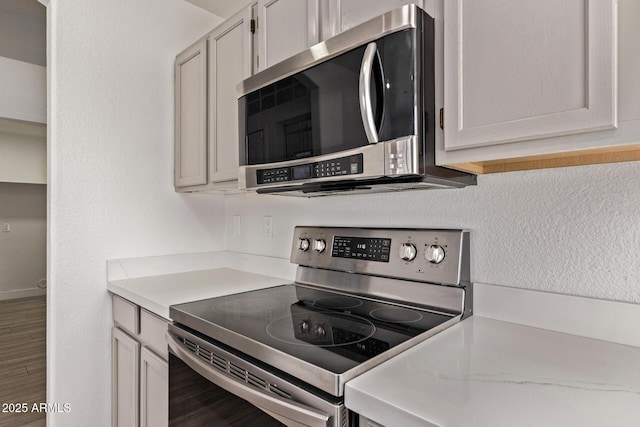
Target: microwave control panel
(348,165)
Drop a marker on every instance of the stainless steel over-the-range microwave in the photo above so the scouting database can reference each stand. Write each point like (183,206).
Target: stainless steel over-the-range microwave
(354,113)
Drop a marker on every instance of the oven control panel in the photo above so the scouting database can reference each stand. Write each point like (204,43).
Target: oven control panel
(431,255)
(367,248)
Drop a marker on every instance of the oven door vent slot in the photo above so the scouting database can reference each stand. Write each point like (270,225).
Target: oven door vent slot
(191,346)
(230,368)
(204,354)
(274,389)
(218,362)
(237,372)
(256,381)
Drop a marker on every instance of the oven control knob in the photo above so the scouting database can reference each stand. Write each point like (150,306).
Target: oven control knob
(319,245)
(303,244)
(434,254)
(408,252)
(304,326)
(320,331)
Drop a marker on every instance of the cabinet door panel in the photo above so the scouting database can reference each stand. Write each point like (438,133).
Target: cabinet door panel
(191,116)
(154,390)
(230,51)
(125,373)
(520,69)
(286,28)
(354,12)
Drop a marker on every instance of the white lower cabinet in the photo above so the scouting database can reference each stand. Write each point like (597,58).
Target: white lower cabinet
(140,371)
(125,385)
(154,389)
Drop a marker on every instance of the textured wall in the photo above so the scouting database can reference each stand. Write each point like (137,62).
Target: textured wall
(571,230)
(110,177)
(23,249)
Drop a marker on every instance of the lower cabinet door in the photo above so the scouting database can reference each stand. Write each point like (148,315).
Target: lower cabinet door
(125,370)
(154,390)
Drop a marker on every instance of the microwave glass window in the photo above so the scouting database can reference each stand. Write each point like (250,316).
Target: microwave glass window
(317,111)
(297,137)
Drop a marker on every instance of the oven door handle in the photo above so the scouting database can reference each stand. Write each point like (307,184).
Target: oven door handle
(364,93)
(290,410)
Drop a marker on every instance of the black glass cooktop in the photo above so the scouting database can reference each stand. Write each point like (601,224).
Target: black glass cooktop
(333,331)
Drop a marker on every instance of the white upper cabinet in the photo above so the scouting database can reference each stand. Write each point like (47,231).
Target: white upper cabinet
(206,106)
(191,116)
(285,28)
(340,15)
(230,47)
(526,70)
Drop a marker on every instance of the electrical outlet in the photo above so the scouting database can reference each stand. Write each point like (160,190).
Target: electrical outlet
(267,226)
(6,227)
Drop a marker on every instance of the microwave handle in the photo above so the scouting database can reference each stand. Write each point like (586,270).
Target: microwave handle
(364,93)
(294,411)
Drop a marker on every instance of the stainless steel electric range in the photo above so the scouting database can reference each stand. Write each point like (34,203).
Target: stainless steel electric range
(282,355)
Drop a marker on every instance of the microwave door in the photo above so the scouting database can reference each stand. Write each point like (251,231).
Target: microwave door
(371,101)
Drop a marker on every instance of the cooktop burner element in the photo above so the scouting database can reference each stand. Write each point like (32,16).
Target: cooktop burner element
(339,302)
(360,297)
(246,306)
(321,329)
(396,315)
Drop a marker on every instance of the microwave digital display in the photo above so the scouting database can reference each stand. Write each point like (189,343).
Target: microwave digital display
(301,172)
(348,165)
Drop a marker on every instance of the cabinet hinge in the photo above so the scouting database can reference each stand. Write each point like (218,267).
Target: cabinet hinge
(442,118)
(253,26)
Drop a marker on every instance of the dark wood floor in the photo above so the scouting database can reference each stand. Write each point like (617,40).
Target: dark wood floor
(22,359)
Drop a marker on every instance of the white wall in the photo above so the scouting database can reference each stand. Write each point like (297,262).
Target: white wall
(110,177)
(22,249)
(571,230)
(23,156)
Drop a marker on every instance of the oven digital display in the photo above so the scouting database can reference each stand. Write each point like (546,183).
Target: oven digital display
(365,248)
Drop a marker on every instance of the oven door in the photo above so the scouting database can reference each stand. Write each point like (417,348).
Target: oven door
(210,386)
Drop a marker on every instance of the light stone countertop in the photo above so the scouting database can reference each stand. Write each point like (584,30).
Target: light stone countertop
(155,283)
(489,373)
(157,293)
(525,358)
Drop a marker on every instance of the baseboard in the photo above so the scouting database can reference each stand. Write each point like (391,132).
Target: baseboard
(22,293)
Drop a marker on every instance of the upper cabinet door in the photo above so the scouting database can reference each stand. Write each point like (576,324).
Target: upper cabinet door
(527,69)
(286,27)
(340,15)
(191,116)
(230,51)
